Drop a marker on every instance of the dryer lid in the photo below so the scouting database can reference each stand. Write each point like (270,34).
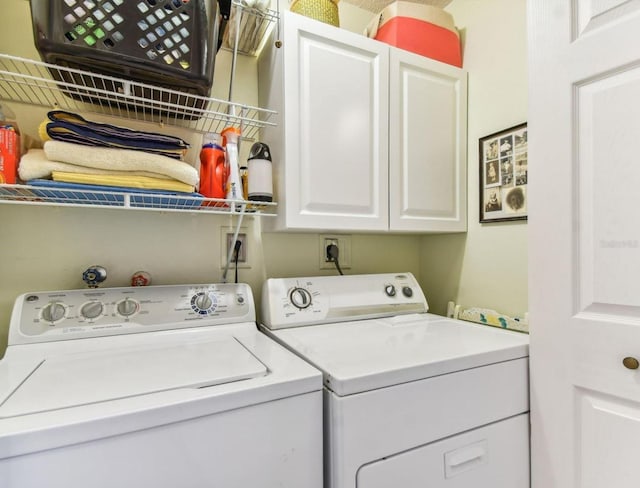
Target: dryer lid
(79,379)
(365,355)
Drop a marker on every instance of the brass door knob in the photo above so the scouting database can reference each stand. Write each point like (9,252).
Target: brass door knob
(630,363)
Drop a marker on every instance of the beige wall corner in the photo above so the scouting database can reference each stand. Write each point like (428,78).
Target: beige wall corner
(489,267)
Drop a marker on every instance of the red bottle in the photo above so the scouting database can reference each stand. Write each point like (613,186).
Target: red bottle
(212,168)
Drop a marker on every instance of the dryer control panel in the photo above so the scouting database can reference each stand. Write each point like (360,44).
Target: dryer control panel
(71,314)
(293,302)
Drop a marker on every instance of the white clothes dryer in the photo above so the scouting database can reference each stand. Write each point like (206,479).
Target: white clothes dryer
(411,399)
(162,386)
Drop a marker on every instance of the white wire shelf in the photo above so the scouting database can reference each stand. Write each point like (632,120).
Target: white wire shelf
(47,85)
(44,195)
(253,25)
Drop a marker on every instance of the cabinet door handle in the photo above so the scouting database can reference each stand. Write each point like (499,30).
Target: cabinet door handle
(630,363)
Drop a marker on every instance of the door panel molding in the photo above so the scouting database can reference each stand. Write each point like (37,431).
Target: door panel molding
(589,15)
(600,422)
(607,119)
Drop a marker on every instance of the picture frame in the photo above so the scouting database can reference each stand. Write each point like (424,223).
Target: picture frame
(503,158)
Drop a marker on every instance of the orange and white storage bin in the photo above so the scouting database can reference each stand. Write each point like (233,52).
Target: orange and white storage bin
(423,29)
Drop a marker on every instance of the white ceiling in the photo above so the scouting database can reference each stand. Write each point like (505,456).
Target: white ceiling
(377,5)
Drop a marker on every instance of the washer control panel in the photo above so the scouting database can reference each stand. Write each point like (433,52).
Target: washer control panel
(292,302)
(57,315)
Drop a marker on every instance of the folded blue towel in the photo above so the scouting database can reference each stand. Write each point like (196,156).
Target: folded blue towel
(60,192)
(70,127)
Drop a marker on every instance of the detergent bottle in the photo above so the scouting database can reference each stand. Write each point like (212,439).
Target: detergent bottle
(212,167)
(9,146)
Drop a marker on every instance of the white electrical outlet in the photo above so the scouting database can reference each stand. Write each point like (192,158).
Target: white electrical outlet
(344,250)
(227,242)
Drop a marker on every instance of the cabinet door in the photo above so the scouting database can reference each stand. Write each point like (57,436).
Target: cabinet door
(427,145)
(336,116)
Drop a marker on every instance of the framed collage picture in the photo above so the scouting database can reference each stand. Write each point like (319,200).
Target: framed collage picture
(503,175)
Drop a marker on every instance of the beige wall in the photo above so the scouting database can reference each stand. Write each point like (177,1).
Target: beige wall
(45,248)
(49,247)
(487,267)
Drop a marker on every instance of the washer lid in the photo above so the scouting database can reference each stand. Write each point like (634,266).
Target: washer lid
(79,379)
(366,355)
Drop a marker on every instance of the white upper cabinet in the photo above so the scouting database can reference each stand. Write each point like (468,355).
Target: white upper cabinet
(427,145)
(369,138)
(330,149)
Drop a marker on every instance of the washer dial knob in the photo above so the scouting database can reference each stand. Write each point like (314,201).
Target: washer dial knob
(204,303)
(390,290)
(92,310)
(53,312)
(407,291)
(127,307)
(300,297)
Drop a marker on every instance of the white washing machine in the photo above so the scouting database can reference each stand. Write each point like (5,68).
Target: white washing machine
(162,386)
(411,399)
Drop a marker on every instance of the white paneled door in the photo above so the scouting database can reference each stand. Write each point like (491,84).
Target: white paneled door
(584,222)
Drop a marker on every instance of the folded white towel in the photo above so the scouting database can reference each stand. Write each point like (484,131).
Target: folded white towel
(34,164)
(120,160)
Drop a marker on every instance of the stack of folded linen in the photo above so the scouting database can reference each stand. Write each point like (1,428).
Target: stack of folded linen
(73,163)
(69,127)
(99,154)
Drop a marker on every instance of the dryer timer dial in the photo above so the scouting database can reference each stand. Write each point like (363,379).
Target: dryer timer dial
(300,297)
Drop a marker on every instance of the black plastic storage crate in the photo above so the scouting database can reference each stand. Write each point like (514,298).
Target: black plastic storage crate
(165,43)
